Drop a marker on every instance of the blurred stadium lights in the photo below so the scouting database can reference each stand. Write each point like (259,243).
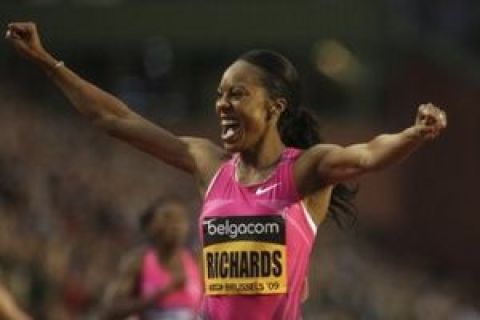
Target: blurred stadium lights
(337,62)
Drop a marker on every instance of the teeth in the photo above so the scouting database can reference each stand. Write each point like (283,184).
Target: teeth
(227,122)
(230,132)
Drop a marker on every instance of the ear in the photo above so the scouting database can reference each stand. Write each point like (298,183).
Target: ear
(276,107)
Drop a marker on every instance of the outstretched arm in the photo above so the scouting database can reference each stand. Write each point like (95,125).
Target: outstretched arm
(324,165)
(197,156)
(8,308)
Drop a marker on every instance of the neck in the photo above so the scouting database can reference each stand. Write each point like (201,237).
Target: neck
(166,252)
(265,153)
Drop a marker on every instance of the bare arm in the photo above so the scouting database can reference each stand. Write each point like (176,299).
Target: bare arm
(112,115)
(123,288)
(324,165)
(9,310)
(122,298)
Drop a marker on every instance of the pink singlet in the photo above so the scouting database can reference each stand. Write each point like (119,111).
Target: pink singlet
(256,245)
(155,276)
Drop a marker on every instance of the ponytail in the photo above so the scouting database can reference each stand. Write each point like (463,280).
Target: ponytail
(298,127)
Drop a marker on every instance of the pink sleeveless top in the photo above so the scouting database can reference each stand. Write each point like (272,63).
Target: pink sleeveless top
(155,276)
(256,245)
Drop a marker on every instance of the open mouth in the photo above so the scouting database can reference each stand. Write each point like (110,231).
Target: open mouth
(231,130)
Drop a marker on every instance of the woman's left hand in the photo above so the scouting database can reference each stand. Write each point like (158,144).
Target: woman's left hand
(430,120)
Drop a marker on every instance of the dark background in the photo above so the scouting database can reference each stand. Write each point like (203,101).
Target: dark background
(70,196)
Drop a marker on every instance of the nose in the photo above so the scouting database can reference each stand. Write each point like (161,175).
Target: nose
(222,104)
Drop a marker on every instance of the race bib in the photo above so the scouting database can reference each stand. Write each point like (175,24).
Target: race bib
(244,255)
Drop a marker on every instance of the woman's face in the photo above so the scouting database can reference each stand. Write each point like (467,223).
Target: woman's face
(169,226)
(242,104)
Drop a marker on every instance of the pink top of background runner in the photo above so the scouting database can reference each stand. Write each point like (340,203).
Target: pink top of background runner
(155,276)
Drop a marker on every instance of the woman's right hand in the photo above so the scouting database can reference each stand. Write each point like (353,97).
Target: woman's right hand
(197,156)
(25,39)
(177,282)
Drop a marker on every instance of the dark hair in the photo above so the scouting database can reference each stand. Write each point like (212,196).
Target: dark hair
(147,216)
(298,127)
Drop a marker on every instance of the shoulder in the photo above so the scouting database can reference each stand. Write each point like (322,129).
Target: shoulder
(206,146)
(208,158)
(132,261)
(188,255)
(311,157)
(306,167)
(319,150)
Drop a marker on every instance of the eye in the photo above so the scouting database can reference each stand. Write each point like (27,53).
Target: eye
(237,93)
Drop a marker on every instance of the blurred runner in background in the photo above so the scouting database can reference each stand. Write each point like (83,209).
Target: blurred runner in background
(161,280)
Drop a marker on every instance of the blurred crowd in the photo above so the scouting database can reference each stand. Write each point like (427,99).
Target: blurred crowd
(69,201)
(353,278)
(70,196)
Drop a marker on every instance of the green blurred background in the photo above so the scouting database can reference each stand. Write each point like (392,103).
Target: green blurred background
(70,196)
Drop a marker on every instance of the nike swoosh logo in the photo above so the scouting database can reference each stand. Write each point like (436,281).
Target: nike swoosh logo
(262,190)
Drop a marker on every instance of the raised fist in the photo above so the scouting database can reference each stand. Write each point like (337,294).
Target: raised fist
(25,39)
(431,120)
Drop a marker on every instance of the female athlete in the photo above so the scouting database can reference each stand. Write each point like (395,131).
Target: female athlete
(159,281)
(262,198)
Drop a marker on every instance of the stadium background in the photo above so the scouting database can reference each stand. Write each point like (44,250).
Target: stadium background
(70,196)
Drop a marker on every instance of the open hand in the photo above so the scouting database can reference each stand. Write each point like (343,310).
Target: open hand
(431,120)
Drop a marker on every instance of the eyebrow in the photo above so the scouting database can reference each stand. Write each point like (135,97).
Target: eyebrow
(240,86)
